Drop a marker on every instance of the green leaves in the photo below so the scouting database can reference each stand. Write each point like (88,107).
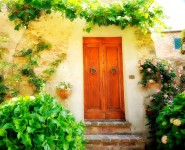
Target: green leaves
(174,127)
(3,132)
(144,14)
(38,123)
(26,139)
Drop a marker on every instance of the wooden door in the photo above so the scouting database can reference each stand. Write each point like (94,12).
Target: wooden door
(103,78)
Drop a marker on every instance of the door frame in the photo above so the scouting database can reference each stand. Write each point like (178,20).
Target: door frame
(121,66)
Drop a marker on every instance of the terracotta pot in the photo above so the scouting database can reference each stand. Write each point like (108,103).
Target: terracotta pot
(64,94)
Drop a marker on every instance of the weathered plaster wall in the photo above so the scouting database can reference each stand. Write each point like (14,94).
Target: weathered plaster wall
(164,45)
(68,36)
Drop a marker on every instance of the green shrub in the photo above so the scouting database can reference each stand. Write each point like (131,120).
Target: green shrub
(36,123)
(171,125)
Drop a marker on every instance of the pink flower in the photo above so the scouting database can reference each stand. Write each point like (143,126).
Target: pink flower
(151,98)
(151,81)
(140,68)
(149,69)
(165,95)
(157,91)
(180,75)
(154,63)
(169,102)
(142,62)
(169,71)
(161,75)
(165,67)
(180,68)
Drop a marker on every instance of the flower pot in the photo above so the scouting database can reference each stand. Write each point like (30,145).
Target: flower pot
(64,94)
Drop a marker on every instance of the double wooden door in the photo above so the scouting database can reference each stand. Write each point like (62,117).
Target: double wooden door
(103,78)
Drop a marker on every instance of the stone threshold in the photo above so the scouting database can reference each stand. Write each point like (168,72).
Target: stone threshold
(107,123)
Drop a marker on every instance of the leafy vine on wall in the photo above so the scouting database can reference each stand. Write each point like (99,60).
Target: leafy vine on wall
(12,73)
(144,14)
(32,56)
(183,42)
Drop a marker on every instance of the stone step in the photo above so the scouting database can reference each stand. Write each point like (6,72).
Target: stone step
(115,142)
(107,127)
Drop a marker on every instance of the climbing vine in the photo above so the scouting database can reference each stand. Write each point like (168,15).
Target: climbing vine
(163,73)
(183,42)
(9,80)
(145,14)
(32,56)
(12,73)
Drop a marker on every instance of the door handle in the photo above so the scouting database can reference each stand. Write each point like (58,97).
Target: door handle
(113,70)
(93,70)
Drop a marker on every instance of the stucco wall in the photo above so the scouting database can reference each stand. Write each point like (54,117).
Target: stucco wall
(164,45)
(68,37)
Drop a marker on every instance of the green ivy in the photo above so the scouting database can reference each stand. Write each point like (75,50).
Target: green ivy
(183,41)
(51,69)
(3,89)
(32,56)
(144,14)
(8,83)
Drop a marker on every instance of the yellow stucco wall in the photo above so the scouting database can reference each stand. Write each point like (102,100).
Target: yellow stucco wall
(68,37)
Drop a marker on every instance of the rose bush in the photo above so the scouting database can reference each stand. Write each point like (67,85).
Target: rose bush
(163,73)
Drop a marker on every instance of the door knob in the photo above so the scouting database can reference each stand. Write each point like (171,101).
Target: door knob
(113,70)
(93,70)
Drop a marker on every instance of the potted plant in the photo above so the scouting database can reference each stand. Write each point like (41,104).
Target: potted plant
(63,89)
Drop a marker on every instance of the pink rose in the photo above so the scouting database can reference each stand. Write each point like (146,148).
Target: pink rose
(180,68)
(151,98)
(165,95)
(140,68)
(142,62)
(165,67)
(154,63)
(161,75)
(149,69)
(157,91)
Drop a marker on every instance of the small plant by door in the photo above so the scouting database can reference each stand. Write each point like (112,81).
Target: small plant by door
(63,89)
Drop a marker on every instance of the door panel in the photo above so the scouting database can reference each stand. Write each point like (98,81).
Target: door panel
(93,80)
(112,78)
(103,92)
